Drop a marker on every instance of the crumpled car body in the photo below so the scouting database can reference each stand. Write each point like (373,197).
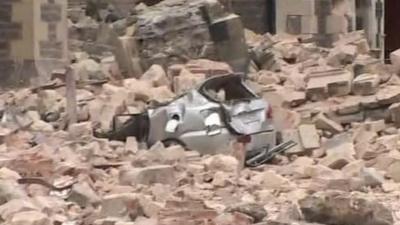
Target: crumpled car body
(206,119)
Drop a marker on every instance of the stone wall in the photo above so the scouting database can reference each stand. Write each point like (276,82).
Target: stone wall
(324,19)
(33,40)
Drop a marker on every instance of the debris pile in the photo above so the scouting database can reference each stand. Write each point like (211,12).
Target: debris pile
(340,105)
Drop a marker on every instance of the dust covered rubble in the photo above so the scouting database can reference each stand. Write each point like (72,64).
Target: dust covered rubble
(339,104)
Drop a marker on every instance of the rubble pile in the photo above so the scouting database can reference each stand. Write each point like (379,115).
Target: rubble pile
(339,104)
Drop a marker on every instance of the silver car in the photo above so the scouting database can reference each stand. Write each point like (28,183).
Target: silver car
(206,119)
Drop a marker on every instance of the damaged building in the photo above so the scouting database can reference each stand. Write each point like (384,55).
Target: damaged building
(199,112)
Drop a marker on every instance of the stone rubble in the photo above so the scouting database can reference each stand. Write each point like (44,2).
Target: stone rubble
(339,104)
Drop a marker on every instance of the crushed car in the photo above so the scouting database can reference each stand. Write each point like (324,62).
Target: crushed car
(206,119)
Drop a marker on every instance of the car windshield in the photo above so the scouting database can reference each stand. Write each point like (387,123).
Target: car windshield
(225,89)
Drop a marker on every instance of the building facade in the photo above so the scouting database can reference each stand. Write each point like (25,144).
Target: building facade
(33,40)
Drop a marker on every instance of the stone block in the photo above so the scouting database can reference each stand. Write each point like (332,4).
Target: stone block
(125,52)
(122,206)
(324,123)
(349,106)
(388,95)
(186,81)
(395,59)
(309,136)
(324,83)
(156,75)
(342,55)
(83,195)
(293,135)
(366,84)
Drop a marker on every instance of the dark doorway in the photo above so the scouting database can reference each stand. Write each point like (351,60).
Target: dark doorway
(392,26)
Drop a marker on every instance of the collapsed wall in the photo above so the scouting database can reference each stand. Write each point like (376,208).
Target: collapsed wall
(173,31)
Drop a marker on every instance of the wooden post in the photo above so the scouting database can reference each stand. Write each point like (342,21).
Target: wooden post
(71,96)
